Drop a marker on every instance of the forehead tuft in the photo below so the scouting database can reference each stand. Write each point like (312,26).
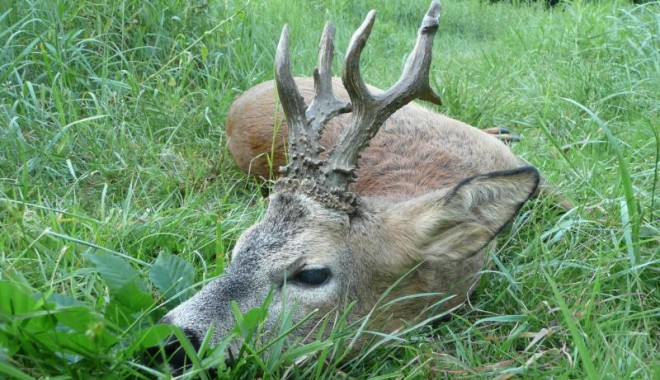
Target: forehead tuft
(288,208)
(295,210)
(292,225)
(286,216)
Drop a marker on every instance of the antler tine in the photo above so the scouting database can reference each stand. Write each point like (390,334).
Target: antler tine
(325,105)
(294,107)
(371,110)
(353,82)
(414,81)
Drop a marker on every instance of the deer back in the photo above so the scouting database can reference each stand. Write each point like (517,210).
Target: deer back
(416,150)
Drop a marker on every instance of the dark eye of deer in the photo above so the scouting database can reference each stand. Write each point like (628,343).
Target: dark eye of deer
(312,276)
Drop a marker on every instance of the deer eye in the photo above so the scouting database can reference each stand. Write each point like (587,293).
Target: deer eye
(312,276)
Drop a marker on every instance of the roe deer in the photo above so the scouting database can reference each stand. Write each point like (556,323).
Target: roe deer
(415,204)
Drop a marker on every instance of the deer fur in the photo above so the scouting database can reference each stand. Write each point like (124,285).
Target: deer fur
(432,192)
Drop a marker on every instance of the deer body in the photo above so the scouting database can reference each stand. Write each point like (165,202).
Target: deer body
(431,194)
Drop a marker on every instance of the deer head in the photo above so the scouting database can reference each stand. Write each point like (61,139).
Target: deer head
(321,246)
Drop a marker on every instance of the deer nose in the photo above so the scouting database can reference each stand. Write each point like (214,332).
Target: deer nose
(172,352)
(177,357)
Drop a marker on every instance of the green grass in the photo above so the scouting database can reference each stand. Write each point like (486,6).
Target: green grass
(112,155)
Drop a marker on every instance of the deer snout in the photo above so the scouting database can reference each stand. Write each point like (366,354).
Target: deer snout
(171,351)
(207,312)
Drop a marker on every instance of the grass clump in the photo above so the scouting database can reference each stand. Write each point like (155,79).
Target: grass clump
(118,199)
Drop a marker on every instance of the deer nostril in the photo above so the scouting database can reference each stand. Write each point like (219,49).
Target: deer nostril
(229,359)
(172,352)
(176,355)
(193,338)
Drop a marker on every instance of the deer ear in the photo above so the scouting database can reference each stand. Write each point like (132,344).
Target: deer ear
(459,222)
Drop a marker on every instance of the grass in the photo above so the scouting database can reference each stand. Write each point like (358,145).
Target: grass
(115,184)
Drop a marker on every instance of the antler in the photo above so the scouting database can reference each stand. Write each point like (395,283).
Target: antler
(305,124)
(371,110)
(328,180)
